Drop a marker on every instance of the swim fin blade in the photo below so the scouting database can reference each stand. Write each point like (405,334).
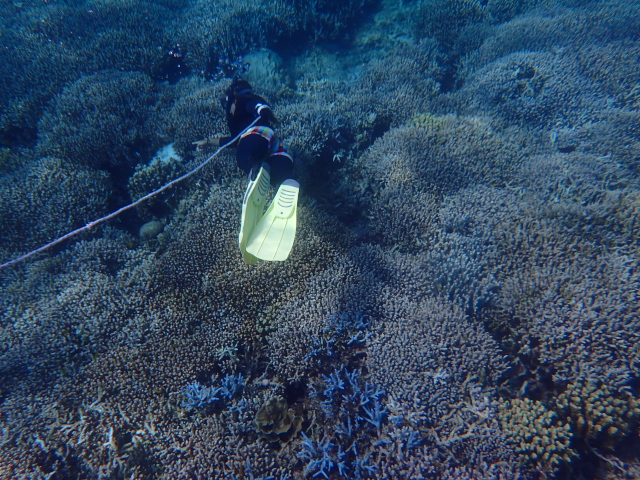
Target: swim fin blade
(252,209)
(273,237)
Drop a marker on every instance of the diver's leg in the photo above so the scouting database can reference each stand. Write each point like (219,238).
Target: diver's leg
(250,153)
(281,168)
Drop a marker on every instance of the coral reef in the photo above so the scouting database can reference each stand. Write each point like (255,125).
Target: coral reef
(49,47)
(537,433)
(599,415)
(99,120)
(535,89)
(277,422)
(461,299)
(36,205)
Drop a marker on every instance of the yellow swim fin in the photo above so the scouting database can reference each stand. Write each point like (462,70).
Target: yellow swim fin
(273,237)
(252,209)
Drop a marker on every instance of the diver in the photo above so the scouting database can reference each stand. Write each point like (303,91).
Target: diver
(260,143)
(265,158)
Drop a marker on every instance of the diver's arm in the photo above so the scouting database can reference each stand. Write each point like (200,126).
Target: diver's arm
(213,141)
(259,108)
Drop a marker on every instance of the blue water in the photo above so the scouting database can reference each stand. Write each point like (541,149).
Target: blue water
(461,301)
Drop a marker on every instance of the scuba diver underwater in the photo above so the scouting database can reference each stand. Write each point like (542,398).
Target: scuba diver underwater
(265,158)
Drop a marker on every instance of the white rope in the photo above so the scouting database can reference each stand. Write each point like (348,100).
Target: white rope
(90,225)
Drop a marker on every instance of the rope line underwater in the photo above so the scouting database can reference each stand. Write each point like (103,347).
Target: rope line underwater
(90,225)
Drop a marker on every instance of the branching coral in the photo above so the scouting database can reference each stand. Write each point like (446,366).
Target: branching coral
(538,434)
(599,415)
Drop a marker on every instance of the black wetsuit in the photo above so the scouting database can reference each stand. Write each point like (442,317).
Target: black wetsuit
(253,149)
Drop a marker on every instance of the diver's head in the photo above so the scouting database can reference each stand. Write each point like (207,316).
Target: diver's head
(238,88)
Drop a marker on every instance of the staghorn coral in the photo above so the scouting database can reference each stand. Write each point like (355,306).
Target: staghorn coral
(9,161)
(531,244)
(400,216)
(405,173)
(326,115)
(611,67)
(437,161)
(266,72)
(99,121)
(65,42)
(235,28)
(416,342)
(149,177)
(193,112)
(76,317)
(537,71)
(36,205)
(558,323)
(426,120)
(89,33)
(535,89)
(329,19)
(444,19)
(402,84)
(302,319)
(26,86)
(546,29)
(197,395)
(590,198)
(501,10)
(227,29)
(609,137)
(483,471)
(556,246)
(460,272)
